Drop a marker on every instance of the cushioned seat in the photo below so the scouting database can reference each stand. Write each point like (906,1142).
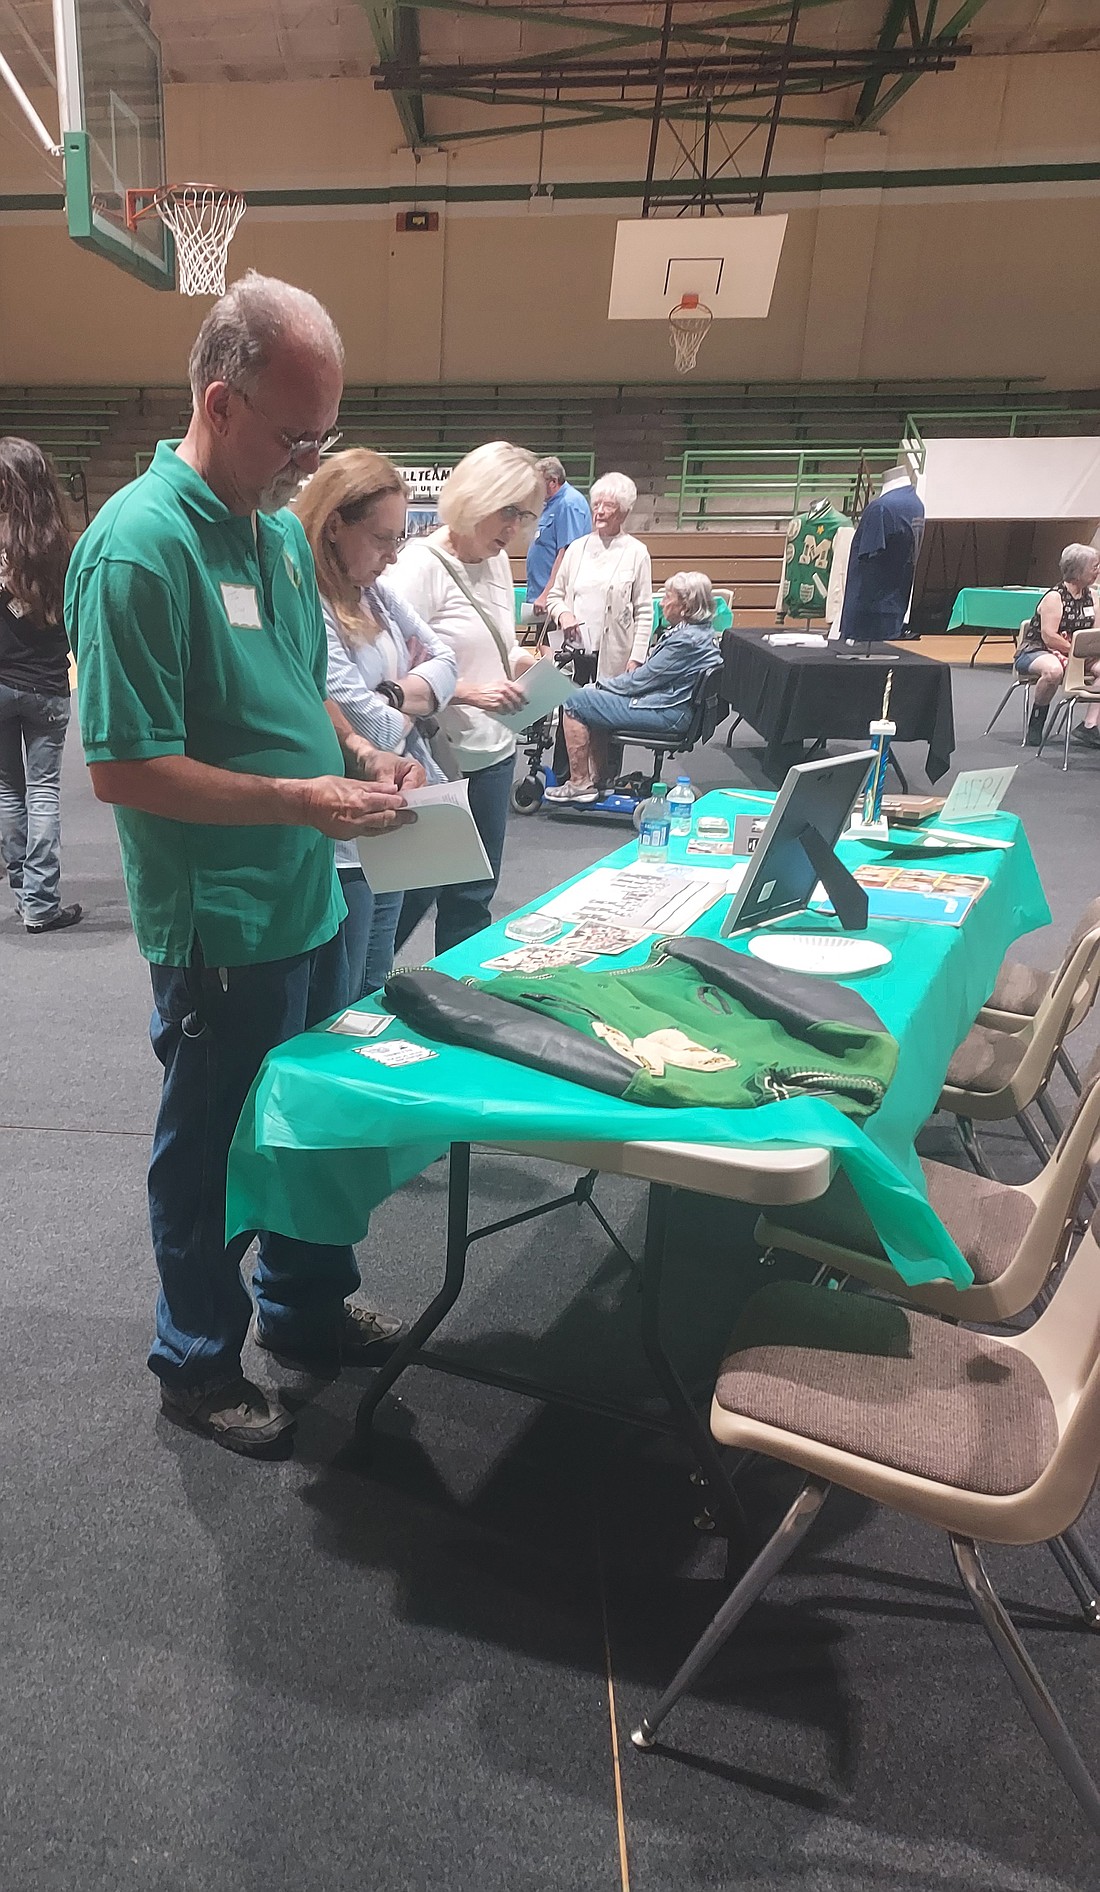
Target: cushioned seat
(881,1381)
(986,1060)
(987,1220)
(1020,989)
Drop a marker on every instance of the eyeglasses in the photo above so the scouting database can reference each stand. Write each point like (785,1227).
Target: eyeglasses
(295,444)
(515,515)
(387,541)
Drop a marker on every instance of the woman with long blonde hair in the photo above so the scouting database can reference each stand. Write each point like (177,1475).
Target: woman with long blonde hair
(386,669)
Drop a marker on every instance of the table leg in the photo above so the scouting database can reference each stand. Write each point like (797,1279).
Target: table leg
(692,1427)
(458,1243)
(781,756)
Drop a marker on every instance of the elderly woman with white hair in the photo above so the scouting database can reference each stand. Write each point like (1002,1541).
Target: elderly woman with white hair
(460,582)
(602,597)
(1045,645)
(653,702)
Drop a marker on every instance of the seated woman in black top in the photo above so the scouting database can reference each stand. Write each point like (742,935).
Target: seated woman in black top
(34,683)
(1044,646)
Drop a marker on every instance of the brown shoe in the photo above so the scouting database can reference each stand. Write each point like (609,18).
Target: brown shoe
(234,1412)
(360,1338)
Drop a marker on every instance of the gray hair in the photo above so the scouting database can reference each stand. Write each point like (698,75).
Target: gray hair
(618,488)
(695,593)
(1077,561)
(551,468)
(243,329)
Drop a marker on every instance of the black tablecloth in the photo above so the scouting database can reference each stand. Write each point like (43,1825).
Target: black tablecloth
(793,695)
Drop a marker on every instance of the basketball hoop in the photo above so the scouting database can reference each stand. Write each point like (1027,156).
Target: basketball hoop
(202,220)
(688,323)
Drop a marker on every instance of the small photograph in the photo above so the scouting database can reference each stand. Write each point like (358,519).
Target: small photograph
(420,520)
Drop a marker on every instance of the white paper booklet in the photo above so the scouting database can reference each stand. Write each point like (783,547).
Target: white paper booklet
(544,687)
(442,848)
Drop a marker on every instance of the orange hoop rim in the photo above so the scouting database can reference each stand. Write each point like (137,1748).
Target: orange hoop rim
(139,203)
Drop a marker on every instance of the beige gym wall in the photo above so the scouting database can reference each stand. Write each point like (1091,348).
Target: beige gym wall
(882,284)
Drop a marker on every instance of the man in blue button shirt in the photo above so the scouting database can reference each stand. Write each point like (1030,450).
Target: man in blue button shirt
(565,517)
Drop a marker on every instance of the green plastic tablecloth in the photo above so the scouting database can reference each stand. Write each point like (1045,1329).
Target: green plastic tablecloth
(326,1135)
(993,609)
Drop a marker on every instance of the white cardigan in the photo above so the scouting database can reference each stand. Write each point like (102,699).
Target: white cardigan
(623,636)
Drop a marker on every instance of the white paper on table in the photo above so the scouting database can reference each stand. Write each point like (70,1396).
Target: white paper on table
(441,848)
(976,792)
(797,640)
(544,687)
(679,897)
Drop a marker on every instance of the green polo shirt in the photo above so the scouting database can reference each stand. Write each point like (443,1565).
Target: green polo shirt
(196,634)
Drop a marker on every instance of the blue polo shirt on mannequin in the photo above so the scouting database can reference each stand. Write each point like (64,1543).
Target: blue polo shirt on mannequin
(565,517)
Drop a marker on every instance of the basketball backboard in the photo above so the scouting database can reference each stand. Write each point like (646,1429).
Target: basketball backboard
(730,263)
(112,123)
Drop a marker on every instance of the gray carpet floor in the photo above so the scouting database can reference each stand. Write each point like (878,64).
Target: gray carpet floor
(323,1673)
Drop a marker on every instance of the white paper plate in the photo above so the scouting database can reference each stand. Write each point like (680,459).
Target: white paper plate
(829,953)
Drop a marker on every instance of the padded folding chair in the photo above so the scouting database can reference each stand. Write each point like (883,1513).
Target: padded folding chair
(995,1075)
(1018,683)
(1020,990)
(1084,649)
(989,1439)
(1013,1234)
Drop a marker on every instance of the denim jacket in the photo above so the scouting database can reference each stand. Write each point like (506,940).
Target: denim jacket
(667,679)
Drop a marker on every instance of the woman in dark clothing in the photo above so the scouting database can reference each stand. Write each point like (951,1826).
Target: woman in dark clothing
(1044,646)
(34,683)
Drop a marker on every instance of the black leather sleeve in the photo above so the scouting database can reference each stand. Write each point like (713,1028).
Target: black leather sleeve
(457,1014)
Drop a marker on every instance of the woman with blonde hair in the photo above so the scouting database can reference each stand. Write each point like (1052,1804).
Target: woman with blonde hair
(386,669)
(460,581)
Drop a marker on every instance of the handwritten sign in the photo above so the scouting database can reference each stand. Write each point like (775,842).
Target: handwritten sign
(976,792)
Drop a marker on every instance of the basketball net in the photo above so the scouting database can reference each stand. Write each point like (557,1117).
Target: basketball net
(688,323)
(202,221)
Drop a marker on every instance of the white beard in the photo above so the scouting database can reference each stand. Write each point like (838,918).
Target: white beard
(281,490)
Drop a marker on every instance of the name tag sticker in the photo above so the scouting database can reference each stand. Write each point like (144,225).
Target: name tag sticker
(242,607)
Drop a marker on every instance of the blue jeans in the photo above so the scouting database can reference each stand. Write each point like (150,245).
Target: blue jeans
(211,1031)
(606,709)
(460,912)
(32,739)
(368,933)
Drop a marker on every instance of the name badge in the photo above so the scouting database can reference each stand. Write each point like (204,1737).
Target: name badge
(242,607)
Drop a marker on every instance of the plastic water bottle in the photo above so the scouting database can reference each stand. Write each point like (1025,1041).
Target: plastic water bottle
(681,801)
(653,826)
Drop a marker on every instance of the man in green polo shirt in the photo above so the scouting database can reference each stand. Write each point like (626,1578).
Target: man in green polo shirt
(193,611)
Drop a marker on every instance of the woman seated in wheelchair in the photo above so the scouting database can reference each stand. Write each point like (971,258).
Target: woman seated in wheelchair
(1044,646)
(652,703)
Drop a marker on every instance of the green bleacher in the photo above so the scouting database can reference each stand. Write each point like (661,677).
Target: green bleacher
(67,423)
(713,453)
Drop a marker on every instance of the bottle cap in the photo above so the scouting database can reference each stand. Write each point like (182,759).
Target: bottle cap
(658,788)
(683,778)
